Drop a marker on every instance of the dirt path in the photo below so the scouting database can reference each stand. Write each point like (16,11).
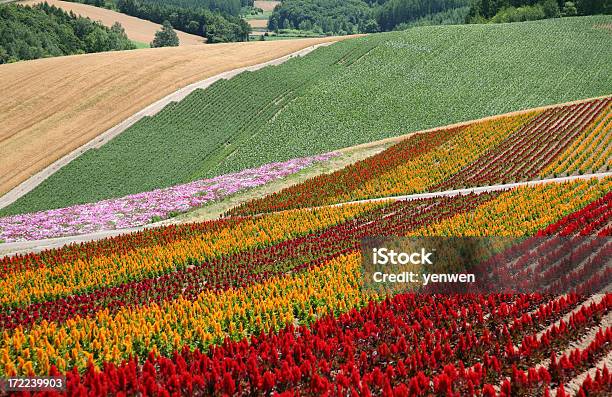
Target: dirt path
(40,245)
(136,29)
(56,105)
(481,189)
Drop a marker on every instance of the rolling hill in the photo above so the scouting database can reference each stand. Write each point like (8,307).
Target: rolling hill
(353,92)
(571,141)
(59,104)
(137,29)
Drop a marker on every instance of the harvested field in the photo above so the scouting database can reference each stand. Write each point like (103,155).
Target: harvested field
(137,29)
(258,23)
(266,5)
(58,104)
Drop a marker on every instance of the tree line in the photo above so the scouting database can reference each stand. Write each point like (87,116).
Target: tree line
(360,16)
(365,16)
(230,7)
(525,10)
(42,30)
(215,20)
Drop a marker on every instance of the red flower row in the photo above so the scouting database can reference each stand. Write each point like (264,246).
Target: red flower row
(410,345)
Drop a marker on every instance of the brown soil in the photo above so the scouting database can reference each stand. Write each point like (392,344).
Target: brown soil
(136,29)
(258,23)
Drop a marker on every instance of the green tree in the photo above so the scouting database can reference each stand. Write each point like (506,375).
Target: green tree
(569,9)
(551,8)
(166,37)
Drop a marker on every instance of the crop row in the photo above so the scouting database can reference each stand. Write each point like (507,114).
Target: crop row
(114,269)
(244,267)
(406,345)
(592,151)
(600,385)
(198,308)
(230,257)
(508,149)
(524,154)
(143,208)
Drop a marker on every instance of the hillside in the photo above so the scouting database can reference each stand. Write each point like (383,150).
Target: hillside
(137,29)
(43,30)
(556,142)
(571,141)
(243,306)
(58,104)
(353,92)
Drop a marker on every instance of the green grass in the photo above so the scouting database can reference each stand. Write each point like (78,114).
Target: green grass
(263,15)
(353,92)
(140,45)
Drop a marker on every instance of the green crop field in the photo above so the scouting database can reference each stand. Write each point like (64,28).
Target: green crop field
(353,92)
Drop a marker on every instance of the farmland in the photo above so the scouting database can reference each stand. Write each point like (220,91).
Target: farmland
(135,28)
(136,307)
(85,95)
(266,5)
(566,140)
(225,244)
(341,96)
(143,208)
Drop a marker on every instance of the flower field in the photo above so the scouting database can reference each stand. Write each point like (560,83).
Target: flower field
(143,208)
(274,304)
(569,140)
(465,250)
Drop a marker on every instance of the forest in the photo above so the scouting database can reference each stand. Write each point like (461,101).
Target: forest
(340,17)
(44,31)
(216,20)
(362,16)
(498,11)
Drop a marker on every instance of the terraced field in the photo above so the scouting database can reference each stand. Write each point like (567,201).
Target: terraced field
(342,96)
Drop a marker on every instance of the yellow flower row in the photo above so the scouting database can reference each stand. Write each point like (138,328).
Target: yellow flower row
(40,284)
(437,165)
(521,211)
(590,152)
(165,327)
